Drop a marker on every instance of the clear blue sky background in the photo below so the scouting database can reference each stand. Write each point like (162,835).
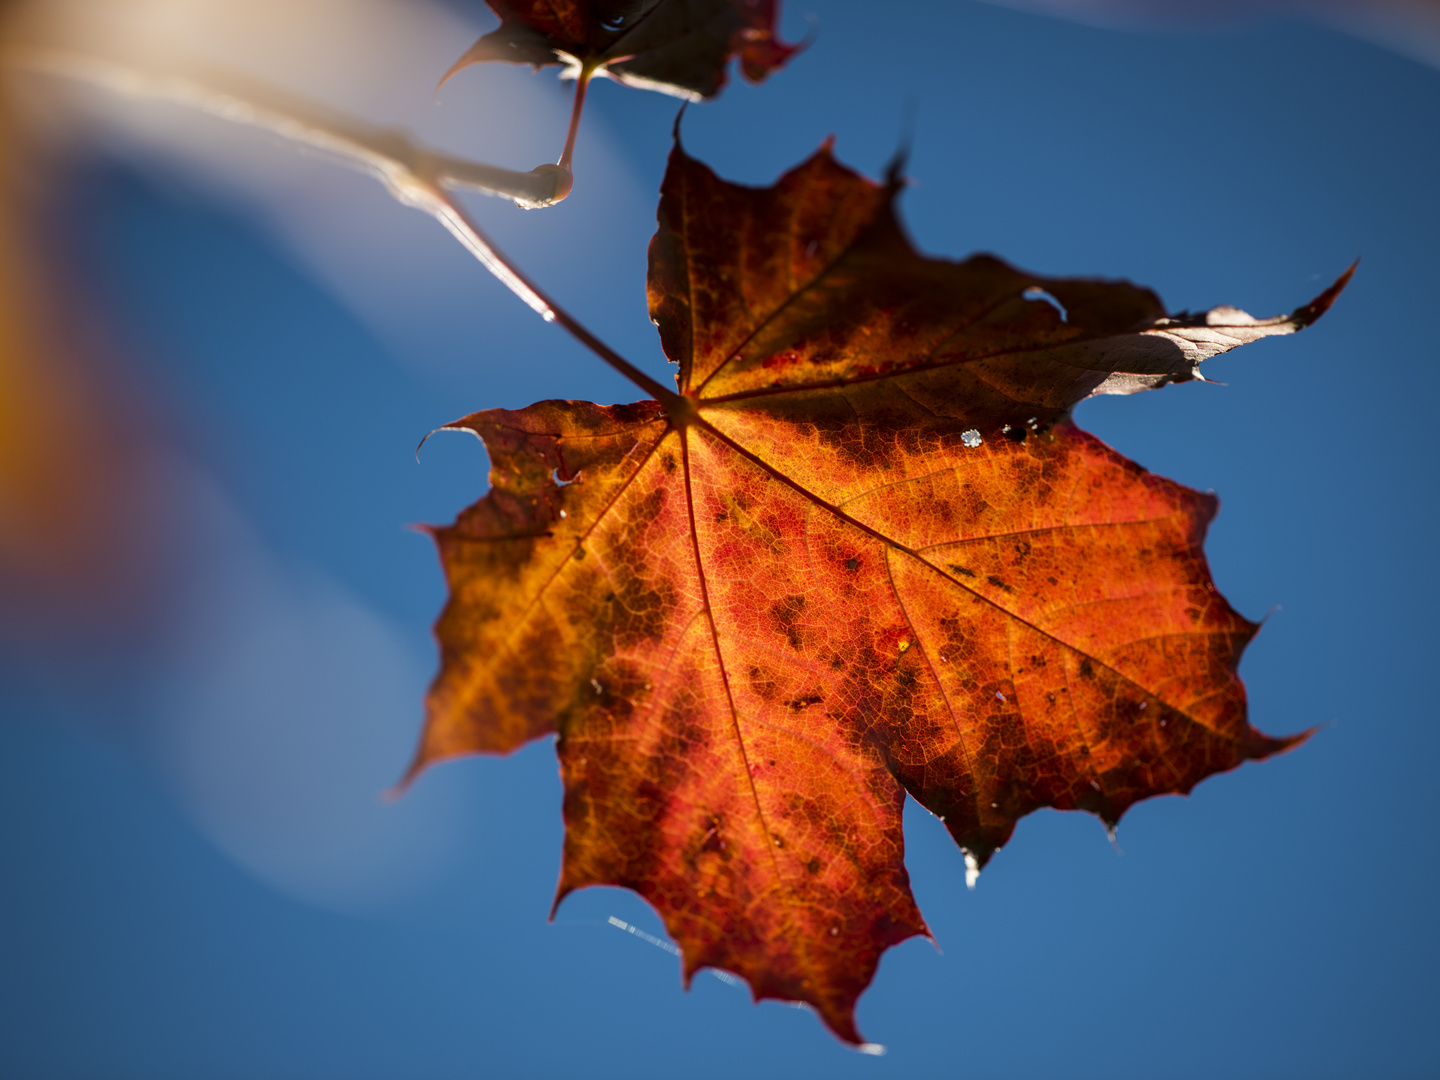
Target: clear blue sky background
(1280,922)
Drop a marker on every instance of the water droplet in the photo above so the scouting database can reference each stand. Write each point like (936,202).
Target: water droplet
(970,438)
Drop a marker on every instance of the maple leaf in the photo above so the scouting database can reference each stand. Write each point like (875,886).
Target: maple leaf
(679,47)
(864,551)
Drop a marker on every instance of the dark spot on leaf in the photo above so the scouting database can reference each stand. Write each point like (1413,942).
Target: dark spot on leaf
(961,570)
(852,564)
(619,686)
(762,682)
(787,616)
(1087,671)
(954,644)
(712,840)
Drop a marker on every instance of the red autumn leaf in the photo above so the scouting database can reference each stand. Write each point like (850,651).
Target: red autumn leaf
(864,551)
(676,46)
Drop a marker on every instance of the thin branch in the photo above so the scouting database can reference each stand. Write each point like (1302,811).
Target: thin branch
(388,154)
(414,175)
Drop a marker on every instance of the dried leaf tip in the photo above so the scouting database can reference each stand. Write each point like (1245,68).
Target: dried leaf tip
(1307,314)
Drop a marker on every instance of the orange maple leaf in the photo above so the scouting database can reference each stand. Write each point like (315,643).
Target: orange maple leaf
(864,551)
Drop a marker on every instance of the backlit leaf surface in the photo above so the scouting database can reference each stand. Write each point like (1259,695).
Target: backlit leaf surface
(866,552)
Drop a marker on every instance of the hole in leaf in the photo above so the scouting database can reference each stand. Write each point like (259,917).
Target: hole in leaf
(1034,292)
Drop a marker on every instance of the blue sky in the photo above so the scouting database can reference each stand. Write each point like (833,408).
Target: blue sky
(199,881)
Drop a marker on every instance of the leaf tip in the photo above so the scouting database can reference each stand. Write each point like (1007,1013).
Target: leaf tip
(469,58)
(1262,746)
(398,790)
(895,171)
(675,127)
(1287,743)
(562,890)
(1309,313)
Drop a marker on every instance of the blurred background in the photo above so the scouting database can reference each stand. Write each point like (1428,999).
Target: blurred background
(218,352)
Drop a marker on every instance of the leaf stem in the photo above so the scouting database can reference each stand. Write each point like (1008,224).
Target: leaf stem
(582,82)
(478,244)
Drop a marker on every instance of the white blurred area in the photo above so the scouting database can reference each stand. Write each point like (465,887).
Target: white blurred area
(1410,27)
(380,60)
(284,706)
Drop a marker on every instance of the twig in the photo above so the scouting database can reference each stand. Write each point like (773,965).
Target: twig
(414,175)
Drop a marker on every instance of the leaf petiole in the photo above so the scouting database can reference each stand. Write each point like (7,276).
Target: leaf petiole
(582,83)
